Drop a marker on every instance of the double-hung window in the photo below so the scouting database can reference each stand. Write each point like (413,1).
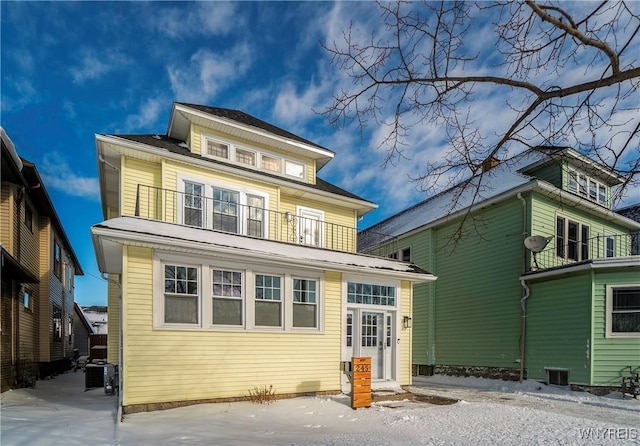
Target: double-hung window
(227,297)
(572,239)
(305,303)
(193,204)
(181,295)
(225,210)
(587,187)
(623,311)
(268,296)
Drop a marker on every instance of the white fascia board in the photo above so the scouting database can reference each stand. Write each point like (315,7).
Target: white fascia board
(250,129)
(595,264)
(588,161)
(365,206)
(165,243)
(11,148)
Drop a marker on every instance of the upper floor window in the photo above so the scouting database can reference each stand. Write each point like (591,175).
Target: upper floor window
(57,323)
(406,254)
(26,299)
(216,148)
(28,217)
(193,204)
(572,239)
(587,187)
(57,259)
(256,158)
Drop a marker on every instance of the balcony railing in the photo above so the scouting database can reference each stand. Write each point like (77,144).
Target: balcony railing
(598,247)
(227,214)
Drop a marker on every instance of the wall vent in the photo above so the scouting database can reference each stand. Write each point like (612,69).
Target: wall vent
(558,377)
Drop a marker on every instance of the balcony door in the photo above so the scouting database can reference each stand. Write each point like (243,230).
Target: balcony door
(310,226)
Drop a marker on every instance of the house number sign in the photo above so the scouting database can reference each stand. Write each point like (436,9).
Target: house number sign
(361,382)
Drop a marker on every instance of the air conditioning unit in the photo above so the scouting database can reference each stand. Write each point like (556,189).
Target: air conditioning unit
(94,376)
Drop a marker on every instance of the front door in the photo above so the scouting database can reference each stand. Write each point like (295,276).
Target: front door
(372,341)
(310,226)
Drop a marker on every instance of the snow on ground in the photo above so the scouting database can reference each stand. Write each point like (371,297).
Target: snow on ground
(60,412)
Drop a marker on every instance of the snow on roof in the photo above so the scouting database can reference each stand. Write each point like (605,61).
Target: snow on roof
(157,232)
(504,177)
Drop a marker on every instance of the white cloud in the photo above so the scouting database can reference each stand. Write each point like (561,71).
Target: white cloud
(208,72)
(147,114)
(292,106)
(203,18)
(57,174)
(21,93)
(93,67)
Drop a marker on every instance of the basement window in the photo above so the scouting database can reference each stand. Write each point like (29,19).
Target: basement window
(558,377)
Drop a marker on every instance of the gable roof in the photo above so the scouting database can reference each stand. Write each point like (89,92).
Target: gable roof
(244,118)
(505,179)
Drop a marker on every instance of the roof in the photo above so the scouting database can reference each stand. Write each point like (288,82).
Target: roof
(632,212)
(243,118)
(83,318)
(177,146)
(505,178)
(169,236)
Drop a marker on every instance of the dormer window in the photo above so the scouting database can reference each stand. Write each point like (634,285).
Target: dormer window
(587,187)
(253,157)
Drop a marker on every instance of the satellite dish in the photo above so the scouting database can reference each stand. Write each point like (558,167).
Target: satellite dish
(536,243)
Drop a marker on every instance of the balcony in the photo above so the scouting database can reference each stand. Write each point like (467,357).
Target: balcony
(227,214)
(599,247)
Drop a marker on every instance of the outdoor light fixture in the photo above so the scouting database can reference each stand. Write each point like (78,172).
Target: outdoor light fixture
(406,322)
(288,216)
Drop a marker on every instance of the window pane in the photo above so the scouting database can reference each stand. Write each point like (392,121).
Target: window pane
(573,181)
(268,313)
(180,309)
(193,204)
(225,210)
(370,294)
(255,215)
(271,163)
(625,316)
(602,194)
(560,239)
(572,241)
(246,157)
(227,311)
(304,315)
(294,169)
(215,148)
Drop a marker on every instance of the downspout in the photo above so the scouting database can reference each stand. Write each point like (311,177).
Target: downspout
(527,291)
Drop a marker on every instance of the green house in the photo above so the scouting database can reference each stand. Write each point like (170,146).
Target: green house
(537,276)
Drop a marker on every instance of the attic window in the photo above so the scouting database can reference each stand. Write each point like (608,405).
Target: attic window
(245,156)
(587,187)
(271,163)
(218,149)
(294,169)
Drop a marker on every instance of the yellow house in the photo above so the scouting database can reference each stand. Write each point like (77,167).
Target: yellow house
(231,266)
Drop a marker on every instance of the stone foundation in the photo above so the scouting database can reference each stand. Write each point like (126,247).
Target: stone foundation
(503,373)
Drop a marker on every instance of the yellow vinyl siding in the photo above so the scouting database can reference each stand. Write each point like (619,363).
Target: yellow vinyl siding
(7,207)
(113,318)
(167,365)
(28,325)
(44,304)
(29,241)
(136,172)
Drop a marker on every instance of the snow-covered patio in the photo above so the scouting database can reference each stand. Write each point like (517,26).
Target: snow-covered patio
(60,412)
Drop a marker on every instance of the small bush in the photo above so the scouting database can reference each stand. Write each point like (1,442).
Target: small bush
(262,395)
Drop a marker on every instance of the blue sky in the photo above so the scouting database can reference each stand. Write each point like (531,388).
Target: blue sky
(74,69)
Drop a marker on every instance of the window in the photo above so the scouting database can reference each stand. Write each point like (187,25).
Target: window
(369,329)
(26,299)
(180,294)
(305,304)
(255,216)
(609,245)
(271,163)
(225,210)
(406,255)
(219,149)
(28,217)
(294,169)
(587,187)
(362,293)
(268,301)
(57,323)
(245,156)
(193,204)
(623,311)
(70,328)
(57,259)
(349,329)
(572,239)
(227,297)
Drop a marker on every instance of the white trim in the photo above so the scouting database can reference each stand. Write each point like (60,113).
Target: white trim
(609,312)
(205,267)
(595,264)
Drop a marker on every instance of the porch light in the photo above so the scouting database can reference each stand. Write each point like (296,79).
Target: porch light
(406,322)
(288,216)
